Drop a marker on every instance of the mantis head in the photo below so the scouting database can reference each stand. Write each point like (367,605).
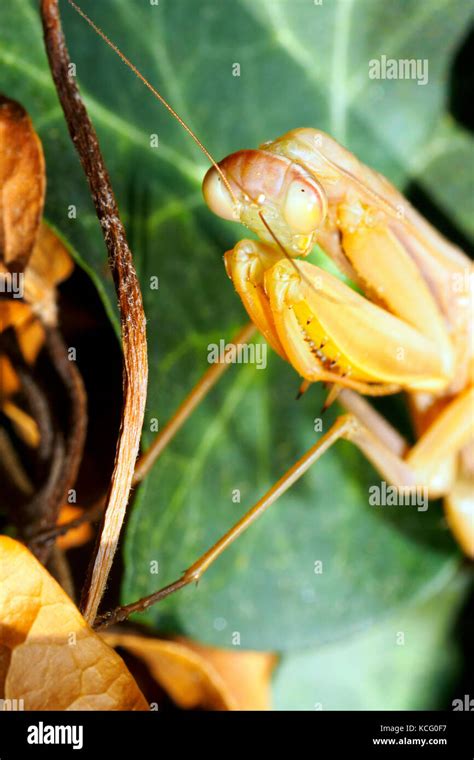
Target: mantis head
(259,184)
(272,195)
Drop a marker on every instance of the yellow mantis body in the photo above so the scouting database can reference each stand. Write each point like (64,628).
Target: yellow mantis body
(410,328)
(410,331)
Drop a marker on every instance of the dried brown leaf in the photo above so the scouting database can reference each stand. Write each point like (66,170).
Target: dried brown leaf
(49,265)
(195,676)
(76,536)
(49,656)
(246,673)
(22,184)
(15,314)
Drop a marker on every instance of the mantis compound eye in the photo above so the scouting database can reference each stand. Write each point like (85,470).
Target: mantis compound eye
(217,195)
(305,206)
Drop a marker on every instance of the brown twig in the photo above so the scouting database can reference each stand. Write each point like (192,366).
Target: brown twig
(39,410)
(61,443)
(34,395)
(43,508)
(68,445)
(122,613)
(164,437)
(49,535)
(59,568)
(11,466)
(133,323)
(77,419)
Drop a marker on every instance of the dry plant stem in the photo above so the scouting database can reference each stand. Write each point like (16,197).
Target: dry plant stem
(77,422)
(122,613)
(196,570)
(133,323)
(43,508)
(68,444)
(40,507)
(186,408)
(39,410)
(59,569)
(147,460)
(60,450)
(11,466)
(93,514)
(34,395)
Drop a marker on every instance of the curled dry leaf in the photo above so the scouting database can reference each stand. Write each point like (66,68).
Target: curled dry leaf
(30,336)
(14,314)
(246,673)
(49,657)
(22,182)
(76,536)
(26,427)
(202,677)
(49,264)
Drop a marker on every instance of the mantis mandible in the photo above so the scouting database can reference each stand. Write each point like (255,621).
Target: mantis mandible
(409,329)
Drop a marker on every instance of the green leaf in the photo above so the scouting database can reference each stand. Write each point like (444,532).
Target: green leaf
(302,64)
(404,663)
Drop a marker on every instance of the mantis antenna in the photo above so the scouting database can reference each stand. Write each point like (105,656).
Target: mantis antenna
(155,92)
(181,121)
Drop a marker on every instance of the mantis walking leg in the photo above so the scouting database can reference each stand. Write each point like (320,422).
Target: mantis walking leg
(397,470)
(425,456)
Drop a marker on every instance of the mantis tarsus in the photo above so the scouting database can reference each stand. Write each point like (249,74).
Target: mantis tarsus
(409,330)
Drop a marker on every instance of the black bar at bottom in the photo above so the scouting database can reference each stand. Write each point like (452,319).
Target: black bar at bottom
(324,734)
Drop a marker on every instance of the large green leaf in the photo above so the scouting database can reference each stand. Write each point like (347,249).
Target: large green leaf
(301,64)
(404,663)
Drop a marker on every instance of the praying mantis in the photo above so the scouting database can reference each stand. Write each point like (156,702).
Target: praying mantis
(407,329)
(410,331)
